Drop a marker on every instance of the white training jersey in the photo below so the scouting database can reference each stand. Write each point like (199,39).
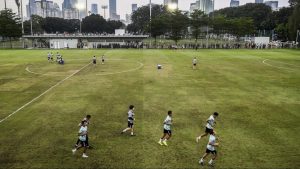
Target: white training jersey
(168,123)
(194,61)
(94,58)
(82,129)
(49,55)
(130,116)
(212,140)
(210,122)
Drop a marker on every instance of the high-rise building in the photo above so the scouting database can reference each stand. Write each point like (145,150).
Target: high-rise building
(234,3)
(113,9)
(94,9)
(43,8)
(69,9)
(134,7)
(259,1)
(207,6)
(272,4)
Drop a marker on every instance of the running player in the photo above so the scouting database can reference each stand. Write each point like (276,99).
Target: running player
(194,63)
(87,119)
(209,126)
(103,59)
(130,120)
(210,149)
(167,130)
(94,60)
(82,137)
(49,56)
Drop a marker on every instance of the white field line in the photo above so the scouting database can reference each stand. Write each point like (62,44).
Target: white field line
(279,67)
(60,82)
(46,74)
(99,74)
(125,71)
(286,63)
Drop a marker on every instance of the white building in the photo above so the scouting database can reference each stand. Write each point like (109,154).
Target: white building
(207,6)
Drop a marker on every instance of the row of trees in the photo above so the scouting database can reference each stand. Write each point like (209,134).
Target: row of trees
(249,19)
(90,24)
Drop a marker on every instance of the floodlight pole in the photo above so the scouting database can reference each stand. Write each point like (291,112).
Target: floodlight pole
(22,20)
(5,4)
(30,12)
(150,6)
(298,32)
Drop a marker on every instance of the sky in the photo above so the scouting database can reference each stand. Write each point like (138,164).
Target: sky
(124,6)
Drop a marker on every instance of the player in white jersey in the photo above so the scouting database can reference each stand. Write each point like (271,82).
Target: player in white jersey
(103,59)
(167,130)
(49,56)
(209,125)
(210,149)
(82,137)
(87,119)
(195,63)
(130,120)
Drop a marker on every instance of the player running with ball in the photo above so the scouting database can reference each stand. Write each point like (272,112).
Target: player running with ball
(167,130)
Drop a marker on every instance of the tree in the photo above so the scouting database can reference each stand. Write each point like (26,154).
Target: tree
(37,25)
(94,24)
(10,25)
(294,22)
(197,21)
(260,13)
(159,26)
(59,25)
(141,19)
(112,26)
(178,23)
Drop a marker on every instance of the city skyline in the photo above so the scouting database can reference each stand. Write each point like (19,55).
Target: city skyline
(124,6)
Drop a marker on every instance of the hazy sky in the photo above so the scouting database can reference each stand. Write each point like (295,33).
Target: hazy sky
(124,6)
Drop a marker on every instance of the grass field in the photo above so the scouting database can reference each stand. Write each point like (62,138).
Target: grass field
(256,92)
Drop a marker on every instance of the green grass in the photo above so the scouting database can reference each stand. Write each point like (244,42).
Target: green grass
(258,104)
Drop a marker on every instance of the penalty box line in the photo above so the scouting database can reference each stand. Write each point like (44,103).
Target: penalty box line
(48,90)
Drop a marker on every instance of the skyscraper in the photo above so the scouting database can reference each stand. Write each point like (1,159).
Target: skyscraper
(94,9)
(234,3)
(112,9)
(259,1)
(134,7)
(272,4)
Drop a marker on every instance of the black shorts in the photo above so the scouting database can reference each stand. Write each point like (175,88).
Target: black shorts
(94,61)
(130,125)
(83,143)
(207,130)
(167,132)
(212,152)
(195,64)
(102,60)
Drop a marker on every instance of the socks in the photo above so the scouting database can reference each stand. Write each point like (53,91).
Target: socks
(211,161)
(132,133)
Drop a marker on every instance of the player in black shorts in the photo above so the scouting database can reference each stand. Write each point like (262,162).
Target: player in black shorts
(130,120)
(94,60)
(210,149)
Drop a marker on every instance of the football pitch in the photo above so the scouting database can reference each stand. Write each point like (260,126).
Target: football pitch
(256,92)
